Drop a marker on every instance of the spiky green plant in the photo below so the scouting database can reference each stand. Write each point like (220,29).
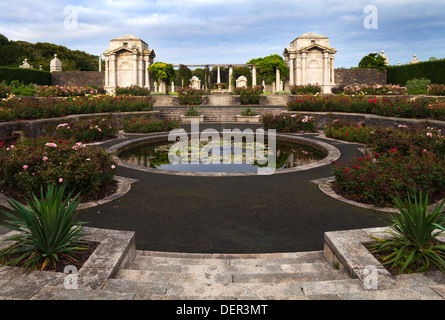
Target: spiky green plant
(46,230)
(413,243)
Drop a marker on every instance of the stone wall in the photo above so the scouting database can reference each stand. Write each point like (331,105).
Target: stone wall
(78,78)
(359,76)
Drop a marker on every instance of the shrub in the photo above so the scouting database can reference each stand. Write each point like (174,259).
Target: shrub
(305,89)
(249,95)
(379,177)
(376,89)
(413,245)
(417,86)
(189,96)
(287,122)
(436,89)
(5,91)
(26,76)
(47,230)
(146,125)
(96,129)
(50,107)
(351,132)
(133,91)
(65,91)
(386,106)
(192,112)
(248,112)
(33,163)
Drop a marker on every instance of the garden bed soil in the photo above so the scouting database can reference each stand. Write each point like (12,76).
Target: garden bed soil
(21,196)
(435,198)
(395,270)
(81,256)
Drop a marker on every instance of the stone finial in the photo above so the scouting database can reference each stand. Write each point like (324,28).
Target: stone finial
(385,57)
(56,64)
(25,65)
(415,60)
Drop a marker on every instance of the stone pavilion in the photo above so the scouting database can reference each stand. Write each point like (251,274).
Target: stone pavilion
(126,63)
(311,61)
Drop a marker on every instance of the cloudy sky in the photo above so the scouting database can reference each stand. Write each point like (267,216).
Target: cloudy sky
(221,31)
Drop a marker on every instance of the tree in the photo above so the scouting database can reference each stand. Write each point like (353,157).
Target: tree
(266,67)
(372,61)
(163,72)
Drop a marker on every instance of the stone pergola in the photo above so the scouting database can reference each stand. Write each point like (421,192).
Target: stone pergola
(311,61)
(231,66)
(126,63)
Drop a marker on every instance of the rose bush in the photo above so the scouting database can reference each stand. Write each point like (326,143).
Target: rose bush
(33,163)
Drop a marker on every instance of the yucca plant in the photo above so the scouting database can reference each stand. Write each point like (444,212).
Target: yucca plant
(46,230)
(413,244)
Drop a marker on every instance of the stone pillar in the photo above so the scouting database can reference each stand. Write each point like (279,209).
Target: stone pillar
(325,68)
(135,69)
(277,79)
(100,62)
(113,71)
(332,70)
(253,76)
(147,73)
(291,71)
(140,71)
(107,71)
(218,80)
(230,77)
(303,68)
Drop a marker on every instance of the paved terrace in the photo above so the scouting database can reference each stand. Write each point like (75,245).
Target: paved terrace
(247,237)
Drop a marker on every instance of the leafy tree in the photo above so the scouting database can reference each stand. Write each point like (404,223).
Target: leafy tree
(266,67)
(183,76)
(12,54)
(162,71)
(372,61)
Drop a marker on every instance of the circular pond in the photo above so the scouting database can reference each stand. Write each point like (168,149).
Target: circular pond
(286,153)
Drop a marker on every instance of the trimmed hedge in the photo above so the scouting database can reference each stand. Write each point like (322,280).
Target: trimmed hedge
(432,70)
(26,76)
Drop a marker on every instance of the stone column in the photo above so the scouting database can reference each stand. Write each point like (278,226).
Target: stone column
(140,71)
(230,77)
(147,73)
(253,76)
(100,62)
(332,70)
(325,68)
(218,80)
(135,70)
(107,70)
(291,70)
(113,73)
(277,79)
(303,68)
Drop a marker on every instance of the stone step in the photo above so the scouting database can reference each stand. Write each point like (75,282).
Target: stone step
(234,291)
(215,268)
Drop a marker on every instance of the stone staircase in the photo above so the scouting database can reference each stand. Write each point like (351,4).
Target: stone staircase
(178,276)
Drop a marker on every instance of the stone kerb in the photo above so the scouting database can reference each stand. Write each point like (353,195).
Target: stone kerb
(42,127)
(116,248)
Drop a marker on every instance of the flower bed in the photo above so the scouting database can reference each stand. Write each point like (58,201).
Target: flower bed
(289,122)
(33,163)
(249,95)
(398,161)
(189,96)
(376,89)
(305,89)
(351,132)
(96,129)
(51,107)
(402,107)
(147,125)
(67,91)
